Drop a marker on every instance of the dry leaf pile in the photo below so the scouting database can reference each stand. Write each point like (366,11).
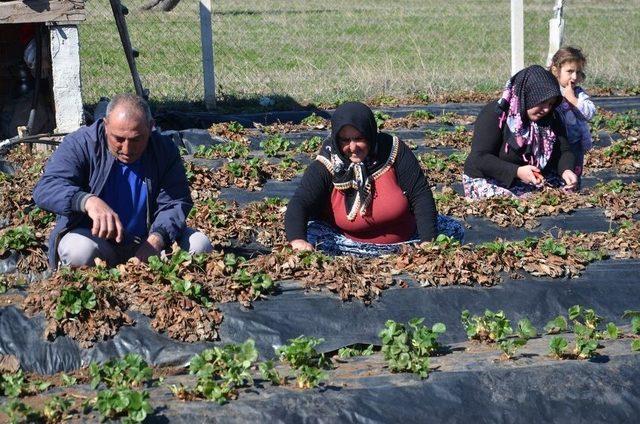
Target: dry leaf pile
(508,211)
(349,277)
(459,139)
(443,264)
(229,131)
(185,315)
(261,222)
(420,118)
(89,326)
(439,168)
(619,201)
(17,207)
(314,122)
(202,182)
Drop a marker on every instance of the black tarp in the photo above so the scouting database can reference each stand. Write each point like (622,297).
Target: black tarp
(610,287)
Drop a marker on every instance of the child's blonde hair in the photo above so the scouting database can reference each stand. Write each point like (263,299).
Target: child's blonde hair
(568,54)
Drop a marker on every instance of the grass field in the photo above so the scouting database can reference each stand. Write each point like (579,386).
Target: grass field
(326,51)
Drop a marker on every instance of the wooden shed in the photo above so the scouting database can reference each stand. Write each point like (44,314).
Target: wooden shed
(51,27)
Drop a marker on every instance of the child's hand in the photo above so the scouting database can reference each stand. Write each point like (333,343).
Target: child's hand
(570,92)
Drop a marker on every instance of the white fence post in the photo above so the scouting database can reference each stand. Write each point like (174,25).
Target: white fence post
(517,36)
(206,41)
(67,92)
(556,31)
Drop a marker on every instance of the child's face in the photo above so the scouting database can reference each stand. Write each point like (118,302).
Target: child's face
(570,73)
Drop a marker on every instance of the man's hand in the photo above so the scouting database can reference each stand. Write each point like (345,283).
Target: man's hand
(152,246)
(530,174)
(301,245)
(570,179)
(106,223)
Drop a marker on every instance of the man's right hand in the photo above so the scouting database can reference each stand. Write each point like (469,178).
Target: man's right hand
(106,223)
(301,245)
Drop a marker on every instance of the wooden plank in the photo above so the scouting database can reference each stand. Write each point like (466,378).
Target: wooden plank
(25,11)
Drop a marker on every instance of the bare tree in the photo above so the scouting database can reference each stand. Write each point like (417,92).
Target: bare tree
(164,5)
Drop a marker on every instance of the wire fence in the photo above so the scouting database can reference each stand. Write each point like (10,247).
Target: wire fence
(303,51)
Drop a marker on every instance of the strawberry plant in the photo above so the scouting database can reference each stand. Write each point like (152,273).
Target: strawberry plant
(447,118)
(230,149)
(17,385)
(380,118)
(275,145)
(612,331)
(259,282)
(308,377)
(73,301)
(235,127)
(313,120)
(130,405)
(526,330)
(18,412)
(635,320)
(552,247)
(557,325)
(489,328)
(40,217)
(356,350)
(130,371)
(409,349)
(510,346)
(168,268)
(494,327)
(311,145)
(18,238)
(269,373)
(313,258)
(68,380)
(221,370)
(191,290)
(422,115)
(558,347)
(301,354)
(55,410)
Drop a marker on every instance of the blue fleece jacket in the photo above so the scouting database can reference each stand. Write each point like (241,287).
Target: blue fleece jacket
(80,167)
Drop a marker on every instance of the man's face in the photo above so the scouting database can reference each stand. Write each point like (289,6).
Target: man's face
(127,134)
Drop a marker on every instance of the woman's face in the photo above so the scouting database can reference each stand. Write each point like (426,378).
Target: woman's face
(353,144)
(541,110)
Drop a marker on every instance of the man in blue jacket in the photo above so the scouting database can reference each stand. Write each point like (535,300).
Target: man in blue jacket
(118,189)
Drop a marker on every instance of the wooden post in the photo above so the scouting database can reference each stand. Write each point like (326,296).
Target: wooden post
(208,63)
(517,36)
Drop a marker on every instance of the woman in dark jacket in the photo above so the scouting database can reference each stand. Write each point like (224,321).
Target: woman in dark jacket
(519,143)
(365,192)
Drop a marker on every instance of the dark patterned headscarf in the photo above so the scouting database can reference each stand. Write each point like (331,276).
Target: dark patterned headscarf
(527,88)
(355,178)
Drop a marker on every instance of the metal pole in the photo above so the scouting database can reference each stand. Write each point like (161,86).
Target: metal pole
(517,36)
(206,40)
(121,23)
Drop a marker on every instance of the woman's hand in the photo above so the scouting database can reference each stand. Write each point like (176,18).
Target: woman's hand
(530,174)
(301,245)
(570,179)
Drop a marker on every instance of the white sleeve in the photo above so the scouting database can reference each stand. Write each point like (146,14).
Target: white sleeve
(585,105)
